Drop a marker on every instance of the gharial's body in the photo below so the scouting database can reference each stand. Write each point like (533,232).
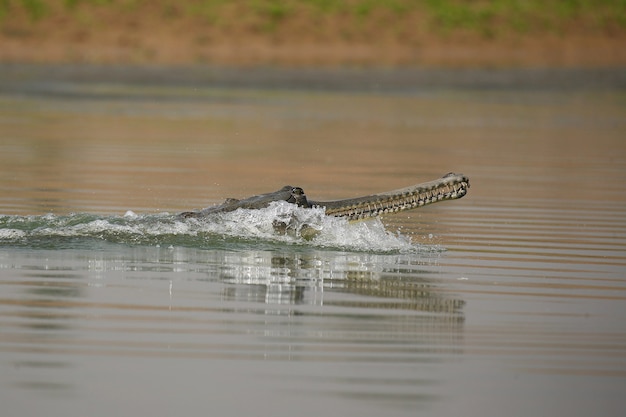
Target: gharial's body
(449,187)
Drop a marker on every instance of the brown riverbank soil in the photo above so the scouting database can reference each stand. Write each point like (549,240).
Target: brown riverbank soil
(100,35)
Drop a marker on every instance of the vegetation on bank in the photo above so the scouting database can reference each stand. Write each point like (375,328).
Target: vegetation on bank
(487,18)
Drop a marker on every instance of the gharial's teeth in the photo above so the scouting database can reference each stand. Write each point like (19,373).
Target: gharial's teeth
(407,200)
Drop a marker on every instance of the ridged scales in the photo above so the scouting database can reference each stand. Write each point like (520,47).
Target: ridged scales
(449,187)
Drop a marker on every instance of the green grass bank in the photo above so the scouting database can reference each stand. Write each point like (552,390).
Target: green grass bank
(297,31)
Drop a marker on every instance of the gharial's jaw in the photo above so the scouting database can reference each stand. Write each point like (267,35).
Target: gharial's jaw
(450,187)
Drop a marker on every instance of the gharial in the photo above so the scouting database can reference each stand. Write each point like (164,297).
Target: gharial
(449,187)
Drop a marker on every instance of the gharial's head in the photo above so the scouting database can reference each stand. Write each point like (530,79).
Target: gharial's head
(298,197)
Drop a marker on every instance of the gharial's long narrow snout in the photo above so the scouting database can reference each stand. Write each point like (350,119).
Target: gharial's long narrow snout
(449,187)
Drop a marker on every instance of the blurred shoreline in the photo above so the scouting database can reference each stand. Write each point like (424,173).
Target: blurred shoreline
(535,53)
(300,34)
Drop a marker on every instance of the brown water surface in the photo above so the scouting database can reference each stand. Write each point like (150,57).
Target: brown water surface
(510,301)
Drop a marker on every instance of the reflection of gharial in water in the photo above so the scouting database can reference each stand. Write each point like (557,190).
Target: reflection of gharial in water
(449,187)
(386,281)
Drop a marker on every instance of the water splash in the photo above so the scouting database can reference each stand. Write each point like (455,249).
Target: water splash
(280,223)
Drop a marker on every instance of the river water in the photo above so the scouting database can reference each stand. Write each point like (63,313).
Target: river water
(510,301)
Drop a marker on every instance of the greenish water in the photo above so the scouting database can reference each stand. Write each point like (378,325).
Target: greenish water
(509,301)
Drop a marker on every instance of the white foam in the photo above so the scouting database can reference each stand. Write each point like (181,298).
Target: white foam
(305,226)
(10,234)
(130,214)
(300,226)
